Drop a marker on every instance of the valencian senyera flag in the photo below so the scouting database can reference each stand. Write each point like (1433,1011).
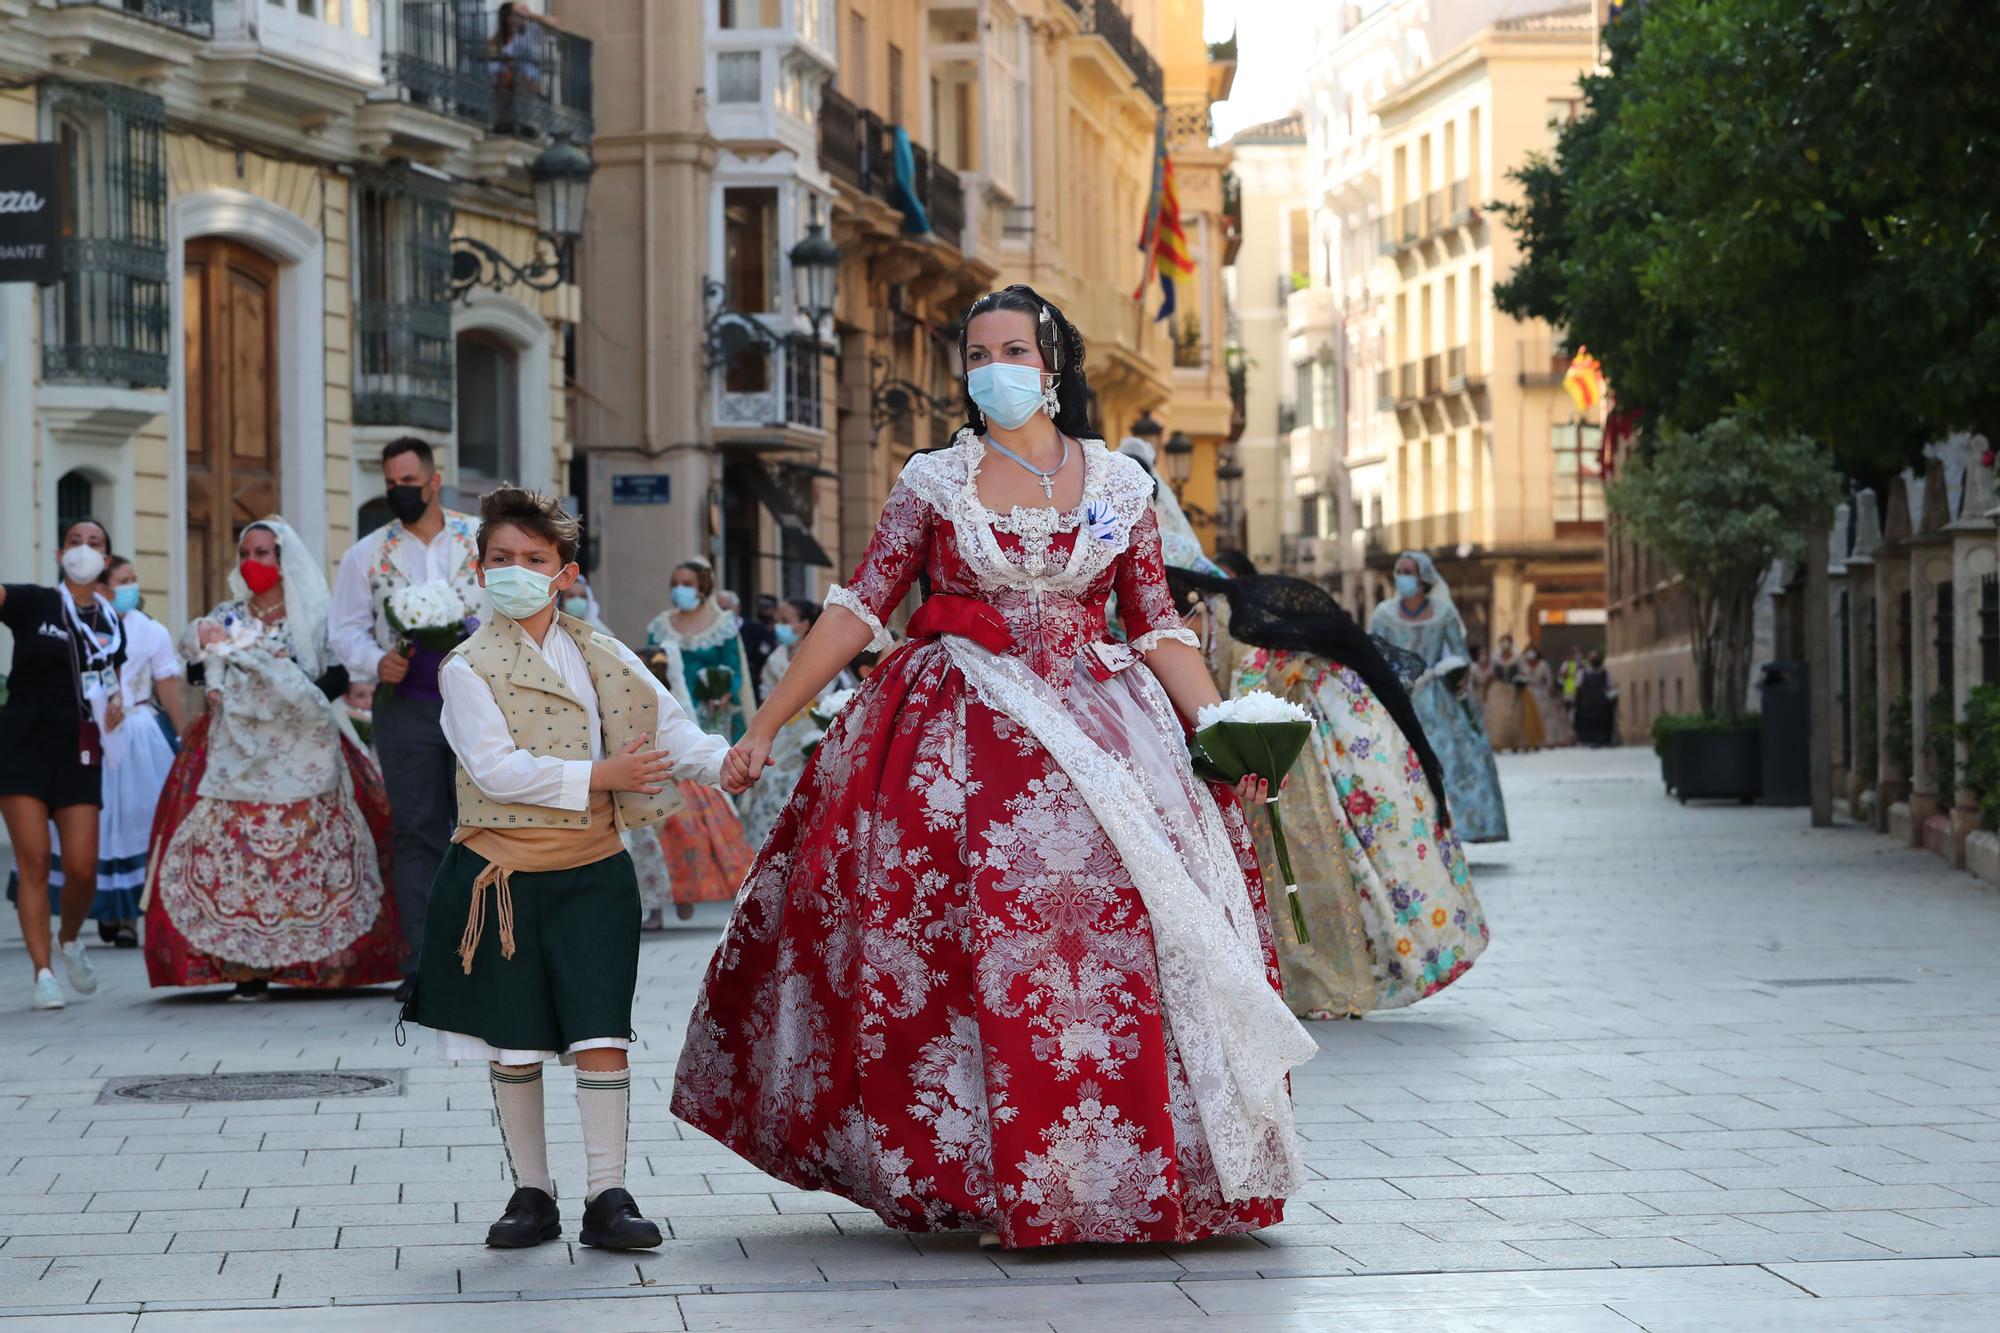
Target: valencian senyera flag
(1585,380)
(1163,241)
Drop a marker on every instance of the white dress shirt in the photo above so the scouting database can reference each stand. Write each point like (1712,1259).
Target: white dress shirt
(479,737)
(351,623)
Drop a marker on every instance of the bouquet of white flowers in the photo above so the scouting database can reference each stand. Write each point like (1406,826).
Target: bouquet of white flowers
(430,615)
(824,712)
(1257,735)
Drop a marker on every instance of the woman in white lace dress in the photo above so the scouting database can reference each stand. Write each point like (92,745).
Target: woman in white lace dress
(1004,964)
(271,850)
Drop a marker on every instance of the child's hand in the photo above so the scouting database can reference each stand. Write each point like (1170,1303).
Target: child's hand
(635,768)
(744,764)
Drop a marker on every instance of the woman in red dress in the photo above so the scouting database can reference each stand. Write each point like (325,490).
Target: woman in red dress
(270,847)
(1004,963)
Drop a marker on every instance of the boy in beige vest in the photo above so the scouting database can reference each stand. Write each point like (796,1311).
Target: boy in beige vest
(564,739)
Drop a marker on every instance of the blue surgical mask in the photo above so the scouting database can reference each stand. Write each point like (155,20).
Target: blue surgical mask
(125,597)
(577,606)
(685,598)
(518,593)
(787,634)
(1008,395)
(1406,585)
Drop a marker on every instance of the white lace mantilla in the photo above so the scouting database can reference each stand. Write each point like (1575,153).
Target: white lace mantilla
(1114,487)
(1236,1038)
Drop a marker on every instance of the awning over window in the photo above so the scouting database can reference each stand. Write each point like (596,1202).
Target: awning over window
(793,517)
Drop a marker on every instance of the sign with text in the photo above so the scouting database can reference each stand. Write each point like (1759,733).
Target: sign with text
(30,213)
(628,488)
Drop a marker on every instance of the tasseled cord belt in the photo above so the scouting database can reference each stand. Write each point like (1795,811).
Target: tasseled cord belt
(494,877)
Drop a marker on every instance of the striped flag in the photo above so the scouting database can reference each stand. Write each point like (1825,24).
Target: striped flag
(1585,380)
(1163,240)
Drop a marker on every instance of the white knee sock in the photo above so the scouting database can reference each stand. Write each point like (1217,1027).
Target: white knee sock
(517,1101)
(604,1101)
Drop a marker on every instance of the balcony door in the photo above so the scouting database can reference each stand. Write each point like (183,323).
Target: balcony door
(230,313)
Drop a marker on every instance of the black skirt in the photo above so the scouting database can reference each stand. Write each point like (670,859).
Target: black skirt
(40,757)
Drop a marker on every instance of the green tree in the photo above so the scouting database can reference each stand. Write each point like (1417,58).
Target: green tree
(1719,505)
(1785,210)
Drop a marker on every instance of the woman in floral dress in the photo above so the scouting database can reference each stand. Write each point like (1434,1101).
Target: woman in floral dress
(270,850)
(706,851)
(1004,964)
(1387,894)
(1423,620)
(762,803)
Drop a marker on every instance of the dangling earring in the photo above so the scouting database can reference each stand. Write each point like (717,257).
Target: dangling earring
(1050,404)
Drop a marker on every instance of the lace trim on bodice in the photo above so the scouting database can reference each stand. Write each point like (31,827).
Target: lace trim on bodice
(1116,491)
(726,627)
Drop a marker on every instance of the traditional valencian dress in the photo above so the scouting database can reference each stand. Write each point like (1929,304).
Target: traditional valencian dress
(270,848)
(1456,730)
(1004,963)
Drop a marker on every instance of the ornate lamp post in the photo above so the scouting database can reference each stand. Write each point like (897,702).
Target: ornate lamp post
(815,274)
(1229,498)
(561,180)
(1180,460)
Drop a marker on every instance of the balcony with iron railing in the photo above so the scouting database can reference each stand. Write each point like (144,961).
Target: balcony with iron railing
(1385,390)
(1406,384)
(1433,369)
(1411,232)
(1108,21)
(771,385)
(1543,364)
(1464,202)
(858,147)
(1434,212)
(195,16)
(434,57)
(542,84)
(1465,369)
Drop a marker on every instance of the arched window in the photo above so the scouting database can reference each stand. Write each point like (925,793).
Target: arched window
(75,499)
(489,409)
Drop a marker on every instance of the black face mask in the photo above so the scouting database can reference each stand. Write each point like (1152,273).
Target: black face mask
(407,502)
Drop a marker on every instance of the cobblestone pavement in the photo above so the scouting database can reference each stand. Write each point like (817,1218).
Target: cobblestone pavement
(1757,1064)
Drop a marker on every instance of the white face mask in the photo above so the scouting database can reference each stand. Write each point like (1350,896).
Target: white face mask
(83,564)
(1007,395)
(518,593)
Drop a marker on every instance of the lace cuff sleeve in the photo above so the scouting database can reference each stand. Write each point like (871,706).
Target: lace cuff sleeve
(841,597)
(1152,639)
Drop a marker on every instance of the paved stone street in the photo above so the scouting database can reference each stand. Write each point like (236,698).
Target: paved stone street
(1716,1071)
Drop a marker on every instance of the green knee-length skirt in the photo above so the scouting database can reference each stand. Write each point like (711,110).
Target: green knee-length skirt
(575,963)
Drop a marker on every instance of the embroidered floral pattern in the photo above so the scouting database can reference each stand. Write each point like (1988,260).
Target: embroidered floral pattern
(948,990)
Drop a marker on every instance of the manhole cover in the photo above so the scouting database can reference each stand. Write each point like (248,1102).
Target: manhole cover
(276,1085)
(1842,981)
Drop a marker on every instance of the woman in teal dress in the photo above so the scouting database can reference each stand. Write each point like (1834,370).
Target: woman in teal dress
(710,641)
(1421,619)
(705,849)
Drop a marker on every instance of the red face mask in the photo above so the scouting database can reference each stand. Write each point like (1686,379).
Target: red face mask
(260,578)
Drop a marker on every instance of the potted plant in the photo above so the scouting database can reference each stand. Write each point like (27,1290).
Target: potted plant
(1719,505)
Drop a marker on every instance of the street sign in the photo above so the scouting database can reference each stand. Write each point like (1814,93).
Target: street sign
(30,213)
(642,488)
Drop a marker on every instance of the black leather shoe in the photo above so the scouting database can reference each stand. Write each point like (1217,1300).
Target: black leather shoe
(530,1219)
(612,1222)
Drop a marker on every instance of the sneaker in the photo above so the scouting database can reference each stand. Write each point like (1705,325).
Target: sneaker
(76,962)
(48,995)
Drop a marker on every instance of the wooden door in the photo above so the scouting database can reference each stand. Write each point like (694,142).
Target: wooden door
(229,306)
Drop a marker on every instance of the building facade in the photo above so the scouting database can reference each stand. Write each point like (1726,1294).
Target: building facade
(261,205)
(1486,463)
(944,148)
(1270,169)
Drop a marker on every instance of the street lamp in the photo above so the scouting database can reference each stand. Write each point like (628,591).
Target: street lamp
(1229,494)
(1180,460)
(560,177)
(1148,429)
(815,273)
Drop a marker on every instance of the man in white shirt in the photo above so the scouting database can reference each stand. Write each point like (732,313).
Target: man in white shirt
(426,544)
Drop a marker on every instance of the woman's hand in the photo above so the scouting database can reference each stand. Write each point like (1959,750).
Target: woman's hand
(635,769)
(1253,790)
(745,763)
(114,712)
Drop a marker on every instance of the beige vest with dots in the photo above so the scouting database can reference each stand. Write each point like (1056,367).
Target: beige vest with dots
(545,718)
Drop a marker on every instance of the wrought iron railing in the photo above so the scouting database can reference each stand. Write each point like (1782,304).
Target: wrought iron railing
(188,15)
(1406,383)
(439,58)
(106,322)
(1462,369)
(1434,212)
(1410,232)
(541,84)
(1942,619)
(840,138)
(1433,375)
(1108,21)
(785,393)
(404,372)
(947,204)
(859,147)
(1989,629)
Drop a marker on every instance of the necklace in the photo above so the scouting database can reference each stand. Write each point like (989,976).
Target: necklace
(1048,479)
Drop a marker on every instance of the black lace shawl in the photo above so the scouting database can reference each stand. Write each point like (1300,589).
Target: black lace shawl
(1292,615)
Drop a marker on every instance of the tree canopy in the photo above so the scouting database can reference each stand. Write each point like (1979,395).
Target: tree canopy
(1783,209)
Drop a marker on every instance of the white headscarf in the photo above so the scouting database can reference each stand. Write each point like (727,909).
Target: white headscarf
(306,597)
(1438,591)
